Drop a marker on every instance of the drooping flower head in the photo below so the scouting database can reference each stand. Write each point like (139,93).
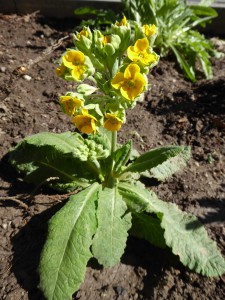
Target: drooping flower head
(85,122)
(69,104)
(113,122)
(130,83)
(140,52)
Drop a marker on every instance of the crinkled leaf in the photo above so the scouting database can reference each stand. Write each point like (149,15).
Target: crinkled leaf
(54,159)
(148,227)
(121,156)
(102,139)
(162,162)
(113,224)
(182,231)
(67,249)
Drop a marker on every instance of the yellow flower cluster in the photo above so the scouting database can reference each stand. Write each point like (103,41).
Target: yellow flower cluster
(131,83)
(85,122)
(119,84)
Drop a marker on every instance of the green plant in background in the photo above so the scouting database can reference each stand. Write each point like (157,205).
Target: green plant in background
(112,201)
(176,22)
(97,18)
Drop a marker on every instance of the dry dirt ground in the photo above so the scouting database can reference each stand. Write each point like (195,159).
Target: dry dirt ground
(175,111)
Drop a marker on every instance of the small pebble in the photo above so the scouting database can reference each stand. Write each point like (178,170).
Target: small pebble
(3,69)
(4,225)
(27,77)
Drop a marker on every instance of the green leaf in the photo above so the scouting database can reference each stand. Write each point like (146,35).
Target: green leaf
(54,159)
(67,249)
(135,203)
(183,232)
(206,2)
(113,223)
(148,227)
(85,10)
(184,64)
(86,89)
(122,156)
(162,162)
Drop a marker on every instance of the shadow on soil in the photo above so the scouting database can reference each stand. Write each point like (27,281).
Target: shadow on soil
(208,97)
(27,246)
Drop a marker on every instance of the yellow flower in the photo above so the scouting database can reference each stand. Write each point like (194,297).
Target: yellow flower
(149,30)
(83,32)
(130,83)
(85,122)
(113,123)
(69,104)
(60,71)
(75,60)
(106,39)
(123,22)
(140,52)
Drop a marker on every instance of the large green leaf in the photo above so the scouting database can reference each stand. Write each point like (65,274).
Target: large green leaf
(182,231)
(148,227)
(57,159)
(113,223)
(67,249)
(162,162)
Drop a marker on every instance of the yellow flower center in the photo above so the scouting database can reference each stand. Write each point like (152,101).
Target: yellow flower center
(130,83)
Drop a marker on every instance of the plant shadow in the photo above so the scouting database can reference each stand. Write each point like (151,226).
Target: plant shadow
(208,97)
(210,211)
(27,246)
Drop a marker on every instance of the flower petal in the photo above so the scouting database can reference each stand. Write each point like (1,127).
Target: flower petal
(131,70)
(117,80)
(141,44)
(113,123)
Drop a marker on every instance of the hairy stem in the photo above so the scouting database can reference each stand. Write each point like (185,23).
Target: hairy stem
(110,180)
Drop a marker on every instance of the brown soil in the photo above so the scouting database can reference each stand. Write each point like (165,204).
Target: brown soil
(174,112)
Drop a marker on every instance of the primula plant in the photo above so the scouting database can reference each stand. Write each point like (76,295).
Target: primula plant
(112,202)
